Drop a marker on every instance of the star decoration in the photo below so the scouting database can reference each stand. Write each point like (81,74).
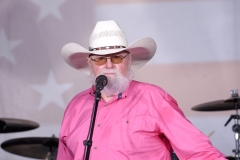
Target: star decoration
(49,7)
(6,47)
(51,92)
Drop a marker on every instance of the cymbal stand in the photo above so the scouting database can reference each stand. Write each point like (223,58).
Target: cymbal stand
(53,145)
(236,126)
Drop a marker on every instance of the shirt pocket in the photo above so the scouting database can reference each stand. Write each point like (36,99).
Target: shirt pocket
(126,134)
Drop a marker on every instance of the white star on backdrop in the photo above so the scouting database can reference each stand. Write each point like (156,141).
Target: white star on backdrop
(6,47)
(49,7)
(51,92)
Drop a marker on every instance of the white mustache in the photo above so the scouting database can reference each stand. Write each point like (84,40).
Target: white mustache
(109,71)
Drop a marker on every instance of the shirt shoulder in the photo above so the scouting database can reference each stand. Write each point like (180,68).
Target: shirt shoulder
(77,99)
(82,94)
(151,90)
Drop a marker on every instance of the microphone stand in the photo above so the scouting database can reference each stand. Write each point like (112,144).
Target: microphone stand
(88,142)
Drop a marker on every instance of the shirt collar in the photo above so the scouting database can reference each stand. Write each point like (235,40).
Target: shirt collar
(120,95)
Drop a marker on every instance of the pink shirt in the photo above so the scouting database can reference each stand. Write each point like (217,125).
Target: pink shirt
(142,123)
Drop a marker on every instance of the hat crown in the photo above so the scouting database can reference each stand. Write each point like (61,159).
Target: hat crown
(107,33)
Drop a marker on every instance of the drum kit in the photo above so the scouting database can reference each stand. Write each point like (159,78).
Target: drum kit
(31,147)
(231,103)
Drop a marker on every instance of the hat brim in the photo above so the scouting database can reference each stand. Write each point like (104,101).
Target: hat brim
(142,51)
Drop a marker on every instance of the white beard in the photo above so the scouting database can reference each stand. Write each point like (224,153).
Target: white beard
(115,85)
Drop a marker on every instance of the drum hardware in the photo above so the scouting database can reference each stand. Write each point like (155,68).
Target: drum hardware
(210,134)
(33,147)
(231,103)
(9,125)
(236,126)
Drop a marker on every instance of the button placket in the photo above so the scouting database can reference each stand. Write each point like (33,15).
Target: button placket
(99,125)
(98,129)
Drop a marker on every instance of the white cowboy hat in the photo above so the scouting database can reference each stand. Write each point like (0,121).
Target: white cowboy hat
(107,38)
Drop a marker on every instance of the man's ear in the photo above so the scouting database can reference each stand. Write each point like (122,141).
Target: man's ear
(88,61)
(130,58)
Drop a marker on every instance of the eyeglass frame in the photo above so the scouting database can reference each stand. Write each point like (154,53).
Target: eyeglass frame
(107,57)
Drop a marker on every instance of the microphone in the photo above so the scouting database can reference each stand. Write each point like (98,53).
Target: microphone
(101,81)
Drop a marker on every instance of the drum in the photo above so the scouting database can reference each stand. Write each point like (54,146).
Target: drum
(232,158)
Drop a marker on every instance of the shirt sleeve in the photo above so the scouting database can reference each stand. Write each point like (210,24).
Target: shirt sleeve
(63,153)
(187,141)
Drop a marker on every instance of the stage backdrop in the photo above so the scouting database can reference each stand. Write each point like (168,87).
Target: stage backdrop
(197,58)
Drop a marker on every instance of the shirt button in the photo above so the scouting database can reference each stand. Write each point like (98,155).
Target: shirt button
(95,147)
(105,105)
(98,125)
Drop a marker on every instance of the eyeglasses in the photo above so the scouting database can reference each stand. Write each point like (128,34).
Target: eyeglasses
(115,59)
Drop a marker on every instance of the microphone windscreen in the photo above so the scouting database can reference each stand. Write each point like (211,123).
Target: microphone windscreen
(101,81)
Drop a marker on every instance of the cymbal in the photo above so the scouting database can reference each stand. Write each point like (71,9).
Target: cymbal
(32,147)
(8,125)
(220,105)
(230,158)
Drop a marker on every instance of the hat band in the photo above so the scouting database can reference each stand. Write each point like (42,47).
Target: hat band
(106,47)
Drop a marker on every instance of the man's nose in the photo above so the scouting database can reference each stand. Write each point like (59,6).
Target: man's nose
(109,63)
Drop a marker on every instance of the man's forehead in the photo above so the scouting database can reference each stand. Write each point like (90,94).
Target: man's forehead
(111,54)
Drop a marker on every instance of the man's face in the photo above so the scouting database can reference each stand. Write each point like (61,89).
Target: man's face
(119,61)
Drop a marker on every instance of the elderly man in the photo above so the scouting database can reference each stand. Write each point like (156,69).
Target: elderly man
(134,120)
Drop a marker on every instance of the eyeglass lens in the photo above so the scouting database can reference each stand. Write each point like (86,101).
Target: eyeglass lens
(115,59)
